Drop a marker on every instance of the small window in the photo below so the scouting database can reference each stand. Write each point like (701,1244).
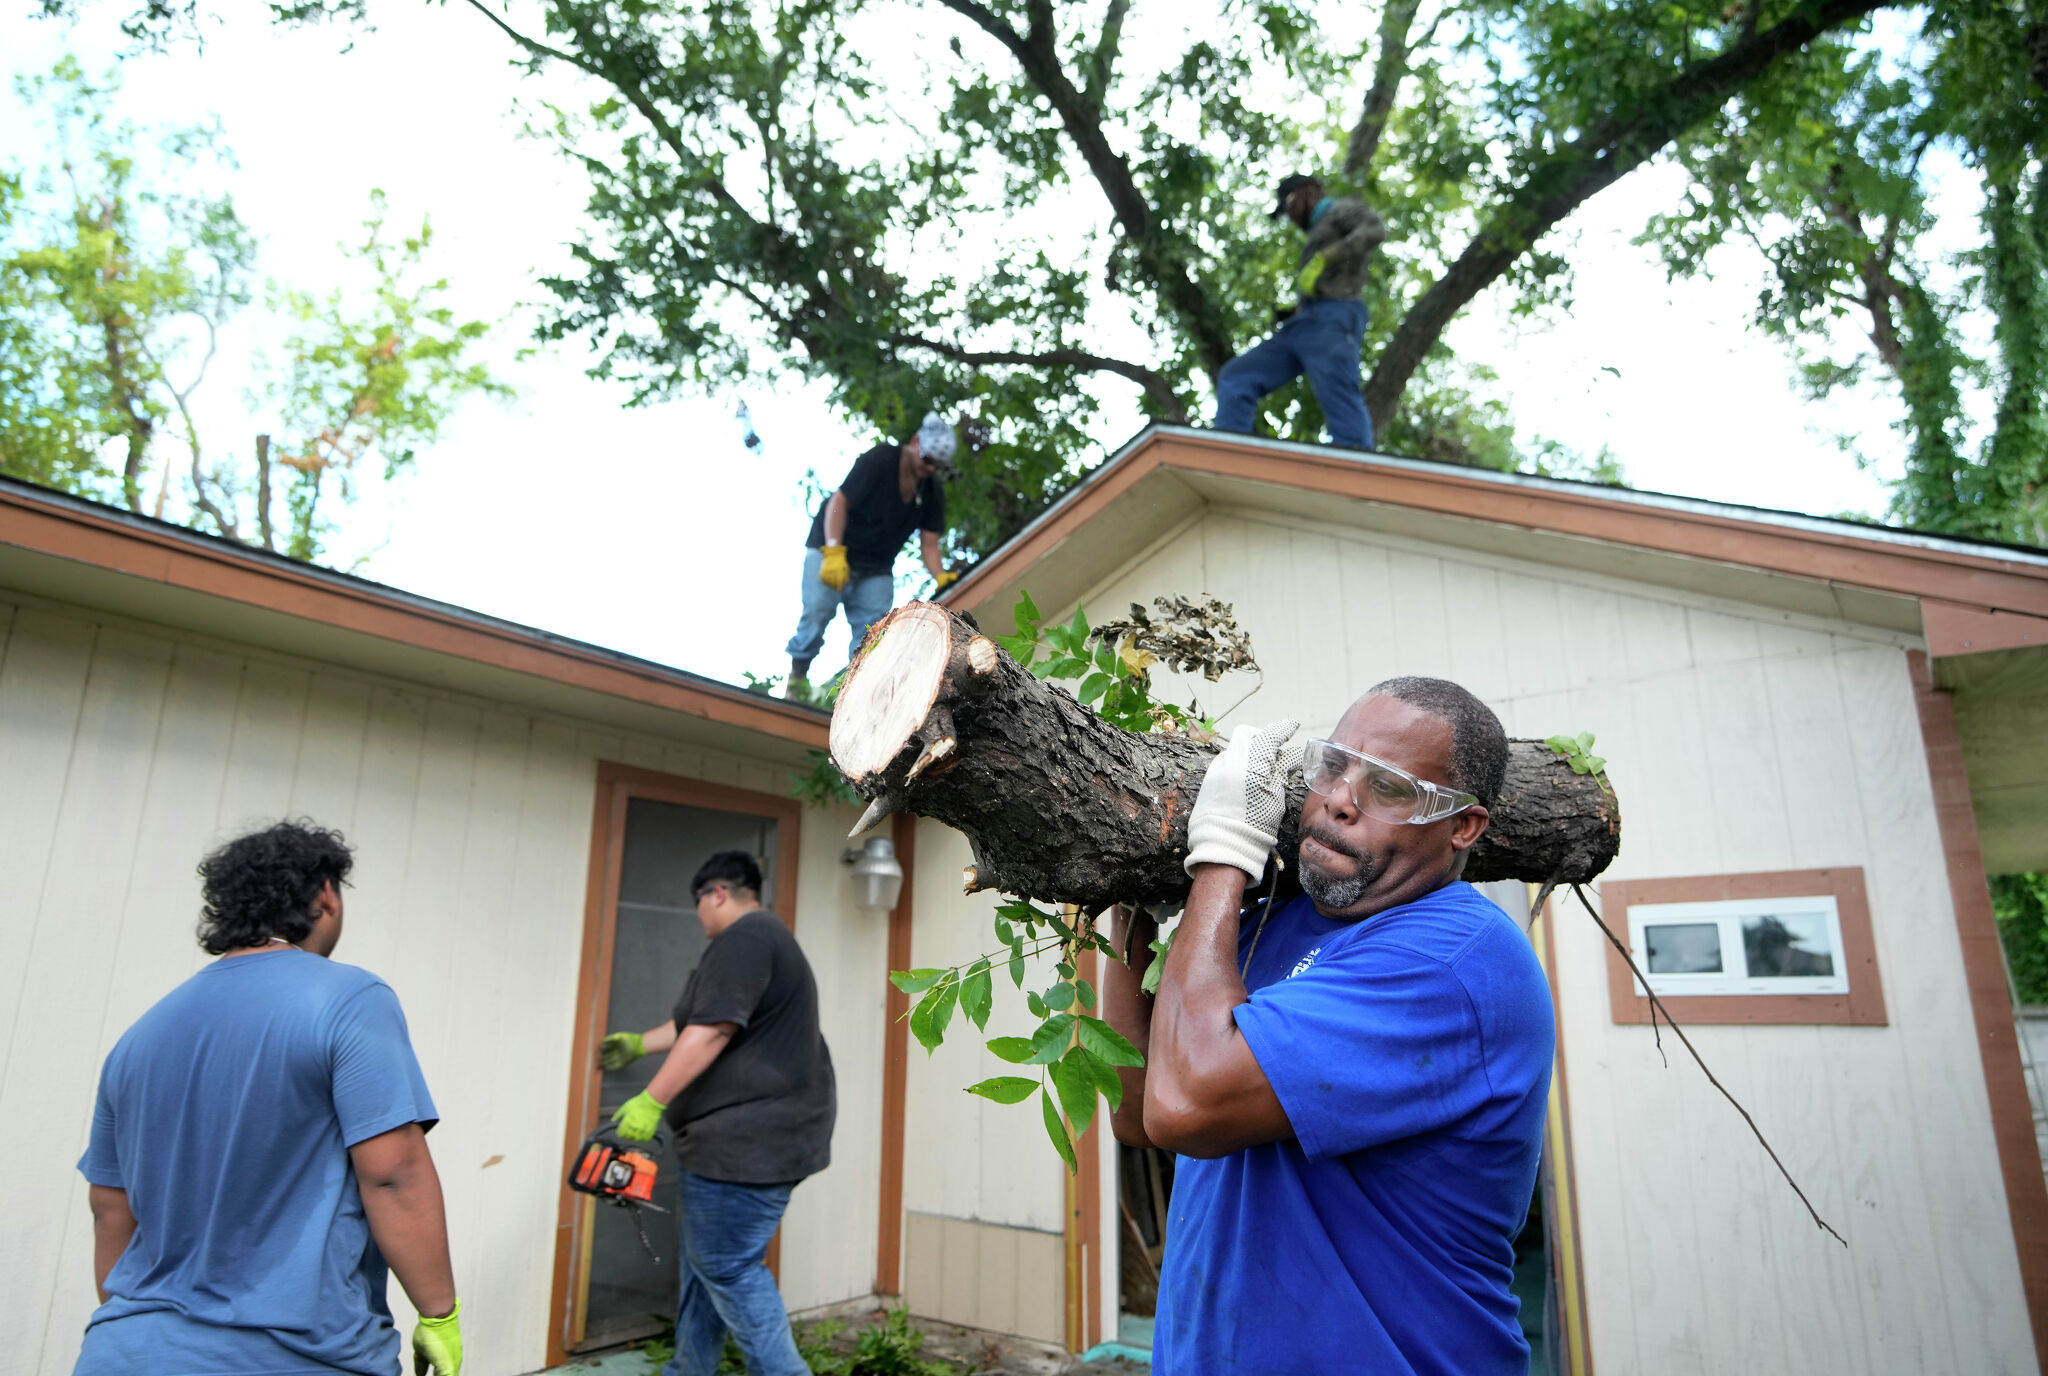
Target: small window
(1790,946)
(1740,946)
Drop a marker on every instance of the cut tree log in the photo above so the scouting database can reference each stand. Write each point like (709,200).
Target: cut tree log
(938,720)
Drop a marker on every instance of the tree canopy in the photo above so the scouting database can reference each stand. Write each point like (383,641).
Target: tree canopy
(118,271)
(1834,182)
(1028,213)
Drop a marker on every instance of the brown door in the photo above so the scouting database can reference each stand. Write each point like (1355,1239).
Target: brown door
(642,940)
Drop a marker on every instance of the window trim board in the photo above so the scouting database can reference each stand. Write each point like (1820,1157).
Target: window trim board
(1862,1006)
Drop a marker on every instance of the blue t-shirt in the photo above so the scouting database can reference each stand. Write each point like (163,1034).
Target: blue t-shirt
(1412,1053)
(226,1112)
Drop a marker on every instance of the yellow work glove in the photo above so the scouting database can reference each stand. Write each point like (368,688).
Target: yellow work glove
(437,1344)
(944,578)
(1311,273)
(833,573)
(621,1049)
(639,1116)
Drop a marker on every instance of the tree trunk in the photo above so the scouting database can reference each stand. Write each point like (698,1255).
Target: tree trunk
(937,720)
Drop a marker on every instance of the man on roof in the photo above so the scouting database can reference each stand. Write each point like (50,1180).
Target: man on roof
(890,491)
(1356,1080)
(1322,329)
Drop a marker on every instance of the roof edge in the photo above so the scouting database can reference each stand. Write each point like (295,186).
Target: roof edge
(94,533)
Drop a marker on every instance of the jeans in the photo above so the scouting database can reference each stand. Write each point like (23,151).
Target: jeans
(867,598)
(726,1284)
(1321,339)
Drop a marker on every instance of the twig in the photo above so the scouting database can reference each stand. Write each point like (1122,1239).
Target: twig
(1657,1006)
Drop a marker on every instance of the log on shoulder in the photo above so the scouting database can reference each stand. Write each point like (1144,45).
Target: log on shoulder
(937,720)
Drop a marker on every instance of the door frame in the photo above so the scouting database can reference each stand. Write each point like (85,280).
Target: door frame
(617,786)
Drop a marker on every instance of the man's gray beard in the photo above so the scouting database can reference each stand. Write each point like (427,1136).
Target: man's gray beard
(1333,893)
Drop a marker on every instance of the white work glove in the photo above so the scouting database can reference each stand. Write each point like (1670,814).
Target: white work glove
(1237,814)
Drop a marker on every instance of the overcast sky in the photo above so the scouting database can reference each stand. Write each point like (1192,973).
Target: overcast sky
(654,530)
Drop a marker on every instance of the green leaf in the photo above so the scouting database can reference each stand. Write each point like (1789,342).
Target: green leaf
(1017,966)
(1093,687)
(1015,1050)
(1060,640)
(1595,763)
(1076,1085)
(1108,1043)
(915,981)
(1005,933)
(1005,1089)
(978,994)
(1060,996)
(1019,647)
(1105,658)
(1112,700)
(1086,991)
(1563,745)
(1055,1130)
(1042,669)
(928,1020)
(1079,626)
(1585,741)
(1027,613)
(1036,1005)
(1051,1038)
(1067,666)
(1106,1078)
(1579,765)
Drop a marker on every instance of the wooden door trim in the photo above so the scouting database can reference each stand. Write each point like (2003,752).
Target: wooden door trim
(895,1071)
(616,785)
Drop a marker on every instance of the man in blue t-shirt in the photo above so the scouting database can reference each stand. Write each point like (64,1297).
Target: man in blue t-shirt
(258,1154)
(1356,1081)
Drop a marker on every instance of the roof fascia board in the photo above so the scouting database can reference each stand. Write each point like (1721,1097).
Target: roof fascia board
(1884,562)
(81,532)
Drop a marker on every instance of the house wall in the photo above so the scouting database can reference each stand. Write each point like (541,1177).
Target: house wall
(1738,740)
(125,753)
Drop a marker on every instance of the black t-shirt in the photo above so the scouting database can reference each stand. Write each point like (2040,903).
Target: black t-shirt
(878,520)
(761,1114)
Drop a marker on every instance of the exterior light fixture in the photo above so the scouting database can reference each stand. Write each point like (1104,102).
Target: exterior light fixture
(877,878)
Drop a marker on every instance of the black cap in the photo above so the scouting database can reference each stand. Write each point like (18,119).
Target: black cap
(1288,186)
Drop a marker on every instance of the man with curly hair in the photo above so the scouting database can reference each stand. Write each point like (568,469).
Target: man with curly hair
(258,1155)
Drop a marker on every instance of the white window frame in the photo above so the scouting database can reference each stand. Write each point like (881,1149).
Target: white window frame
(1728,915)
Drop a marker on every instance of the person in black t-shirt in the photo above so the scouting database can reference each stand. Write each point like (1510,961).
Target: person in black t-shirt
(747,1091)
(890,491)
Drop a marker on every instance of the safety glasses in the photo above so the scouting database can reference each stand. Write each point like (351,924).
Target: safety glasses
(1382,791)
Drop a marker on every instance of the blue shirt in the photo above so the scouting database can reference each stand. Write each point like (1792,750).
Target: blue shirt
(226,1112)
(1412,1053)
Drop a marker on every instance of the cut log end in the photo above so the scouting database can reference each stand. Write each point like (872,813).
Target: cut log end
(982,655)
(885,703)
(931,755)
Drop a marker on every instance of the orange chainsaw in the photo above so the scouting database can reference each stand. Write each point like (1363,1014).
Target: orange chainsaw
(620,1171)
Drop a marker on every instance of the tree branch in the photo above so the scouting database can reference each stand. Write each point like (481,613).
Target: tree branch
(1106,53)
(1386,84)
(1037,54)
(1155,383)
(1585,166)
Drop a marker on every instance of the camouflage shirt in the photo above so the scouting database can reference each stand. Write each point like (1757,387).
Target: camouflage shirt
(1345,234)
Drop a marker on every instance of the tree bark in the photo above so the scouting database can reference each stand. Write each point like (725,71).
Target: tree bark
(1060,806)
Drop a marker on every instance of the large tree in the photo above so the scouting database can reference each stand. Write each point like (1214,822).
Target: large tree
(1025,210)
(1834,171)
(118,271)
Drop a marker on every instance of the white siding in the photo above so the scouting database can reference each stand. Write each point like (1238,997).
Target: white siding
(125,754)
(1739,740)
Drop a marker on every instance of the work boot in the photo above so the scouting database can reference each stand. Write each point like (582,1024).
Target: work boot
(797,688)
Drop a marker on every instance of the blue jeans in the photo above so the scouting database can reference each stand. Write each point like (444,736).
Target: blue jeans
(1322,339)
(867,598)
(726,1283)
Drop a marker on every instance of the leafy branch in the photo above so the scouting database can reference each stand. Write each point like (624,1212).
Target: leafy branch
(1075,1054)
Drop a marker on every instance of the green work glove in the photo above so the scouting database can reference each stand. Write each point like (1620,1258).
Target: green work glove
(621,1049)
(1311,273)
(437,1344)
(639,1116)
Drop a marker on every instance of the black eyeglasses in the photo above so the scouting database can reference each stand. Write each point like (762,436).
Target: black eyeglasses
(698,896)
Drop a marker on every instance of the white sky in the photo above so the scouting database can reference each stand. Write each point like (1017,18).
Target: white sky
(653,530)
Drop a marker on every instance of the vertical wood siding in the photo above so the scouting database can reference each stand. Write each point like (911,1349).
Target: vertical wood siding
(1739,739)
(126,754)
